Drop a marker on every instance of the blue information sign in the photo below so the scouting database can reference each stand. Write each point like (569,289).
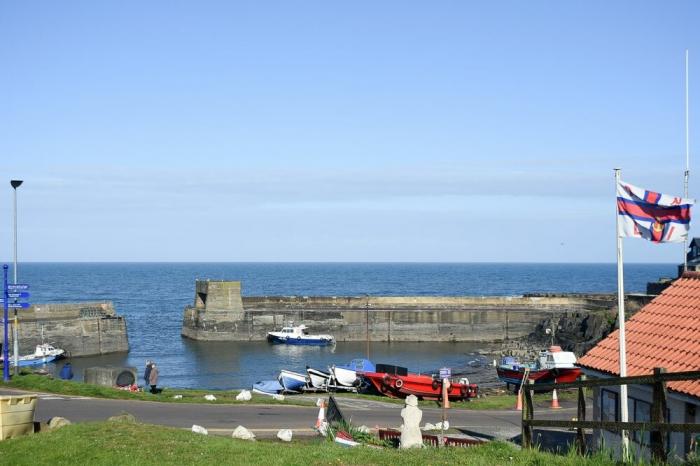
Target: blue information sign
(17,287)
(23,294)
(18,305)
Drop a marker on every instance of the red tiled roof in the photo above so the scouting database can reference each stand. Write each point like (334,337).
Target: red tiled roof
(664,333)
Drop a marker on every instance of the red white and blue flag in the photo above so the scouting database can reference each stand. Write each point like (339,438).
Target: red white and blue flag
(653,216)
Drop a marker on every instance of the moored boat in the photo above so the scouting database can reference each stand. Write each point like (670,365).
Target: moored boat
(299,335)
(43,354)
(552,365)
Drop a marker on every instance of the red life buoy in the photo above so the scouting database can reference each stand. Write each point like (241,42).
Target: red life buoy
(398,383)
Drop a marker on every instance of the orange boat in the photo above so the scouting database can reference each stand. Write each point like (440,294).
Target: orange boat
(425,387)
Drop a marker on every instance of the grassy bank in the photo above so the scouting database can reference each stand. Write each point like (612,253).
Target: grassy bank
(40,383)
(126,444)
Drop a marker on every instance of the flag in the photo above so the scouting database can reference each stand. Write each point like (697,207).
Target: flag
(656,217)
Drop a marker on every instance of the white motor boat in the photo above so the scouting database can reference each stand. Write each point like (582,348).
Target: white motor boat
(299,335)
(43,353)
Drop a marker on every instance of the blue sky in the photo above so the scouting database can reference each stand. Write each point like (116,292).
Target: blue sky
(320,131)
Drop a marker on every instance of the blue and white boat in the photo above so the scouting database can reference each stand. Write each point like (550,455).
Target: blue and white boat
(43,354)
(292,381)
(298,335)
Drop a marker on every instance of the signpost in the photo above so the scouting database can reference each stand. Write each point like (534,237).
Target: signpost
(10,294)
(5,355)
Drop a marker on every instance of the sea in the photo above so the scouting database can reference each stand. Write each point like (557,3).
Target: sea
(152,297)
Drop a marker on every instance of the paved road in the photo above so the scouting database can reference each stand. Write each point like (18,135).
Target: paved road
(268,419)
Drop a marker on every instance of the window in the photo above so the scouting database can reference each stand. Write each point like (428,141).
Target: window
(641,412)
(608,406)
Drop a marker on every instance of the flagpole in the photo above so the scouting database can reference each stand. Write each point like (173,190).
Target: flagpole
(687,159)
(621,324)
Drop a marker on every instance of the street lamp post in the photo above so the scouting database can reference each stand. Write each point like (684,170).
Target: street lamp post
(367,322)
(15,330)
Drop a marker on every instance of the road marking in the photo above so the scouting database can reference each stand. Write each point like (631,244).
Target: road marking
(49,397)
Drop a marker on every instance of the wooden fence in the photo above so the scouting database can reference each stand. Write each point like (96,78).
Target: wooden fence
(657,428)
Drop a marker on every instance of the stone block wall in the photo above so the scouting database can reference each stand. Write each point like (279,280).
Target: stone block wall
(81,329)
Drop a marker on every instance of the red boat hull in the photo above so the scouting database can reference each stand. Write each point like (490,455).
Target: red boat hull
(422,386)
(515,377)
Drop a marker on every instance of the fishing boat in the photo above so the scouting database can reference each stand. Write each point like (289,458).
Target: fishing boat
(268,387)
(318,379)
(425,387)
(43,353)
(552,365)
(299,335)
(291,381)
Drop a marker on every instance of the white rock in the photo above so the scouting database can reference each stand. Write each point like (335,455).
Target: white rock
(363,429)
(278,397)
(429,426)
(244,395)
(285,435)
(210,397)
(177,397)
(199,430)
(242,433)
(438,426)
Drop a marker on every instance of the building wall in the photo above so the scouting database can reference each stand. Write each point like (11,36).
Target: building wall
(676,404)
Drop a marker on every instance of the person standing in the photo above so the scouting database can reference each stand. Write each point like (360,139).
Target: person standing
(153,378)
(147,372)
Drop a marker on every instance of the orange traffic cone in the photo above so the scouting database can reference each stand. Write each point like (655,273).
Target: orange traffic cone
(321,414)
(519,400)
(555,400)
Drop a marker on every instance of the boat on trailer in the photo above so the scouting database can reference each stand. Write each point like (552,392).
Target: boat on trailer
(552,365)
(292,381)
(425,387)
(299,335)
(318,379)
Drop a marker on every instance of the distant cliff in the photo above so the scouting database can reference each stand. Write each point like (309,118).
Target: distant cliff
(82,329)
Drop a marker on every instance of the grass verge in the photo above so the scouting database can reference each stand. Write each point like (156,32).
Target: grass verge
(111,443)
(33,382)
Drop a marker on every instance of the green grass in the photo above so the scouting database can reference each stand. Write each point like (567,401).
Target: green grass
(41,383)
(33,382)
(131,444)
(490,402)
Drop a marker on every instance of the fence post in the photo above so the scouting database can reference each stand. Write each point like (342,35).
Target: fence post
(528,414)
(658,414)
(581,416)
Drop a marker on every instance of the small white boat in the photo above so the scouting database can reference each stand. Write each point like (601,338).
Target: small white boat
(317,378)
(298,335)
(43,353)
(344,376)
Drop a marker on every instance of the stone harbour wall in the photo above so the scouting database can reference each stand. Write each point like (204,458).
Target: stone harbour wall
(219,312)
(81,329)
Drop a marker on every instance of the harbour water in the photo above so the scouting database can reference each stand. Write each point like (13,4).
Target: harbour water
(152,297)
